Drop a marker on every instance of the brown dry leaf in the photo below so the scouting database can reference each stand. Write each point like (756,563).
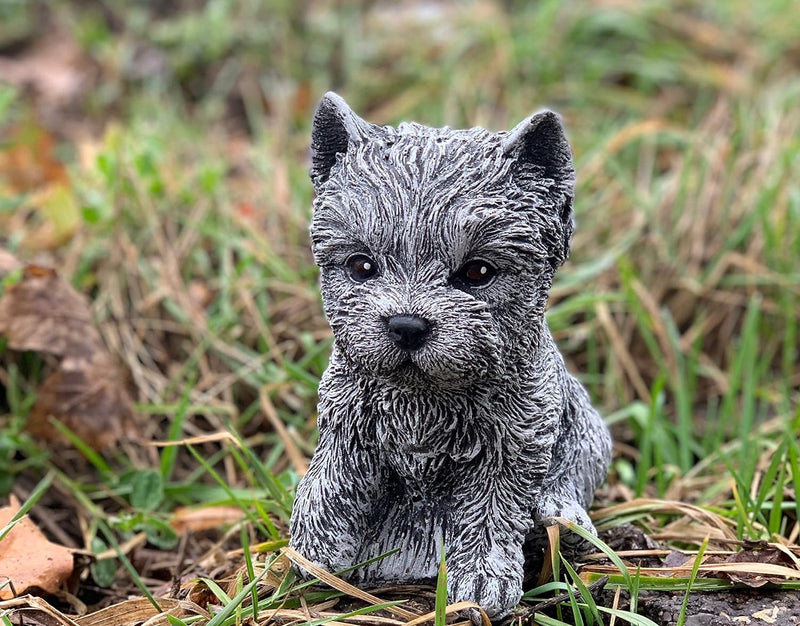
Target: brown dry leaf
(768,556)
(28,559)
(185,519)
(29,162)
(30,166)
(33,611)
(201,595)
(753,567)
(87,396)
(139,610)
(43,313)
(48,212)
(86,391)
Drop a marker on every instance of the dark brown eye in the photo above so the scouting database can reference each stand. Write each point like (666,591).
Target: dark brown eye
(476,273)
(361,267)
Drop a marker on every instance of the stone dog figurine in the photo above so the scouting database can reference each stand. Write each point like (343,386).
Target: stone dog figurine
(446,415)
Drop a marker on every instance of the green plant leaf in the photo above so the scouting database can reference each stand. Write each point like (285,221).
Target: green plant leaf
(147,489)
(104,572)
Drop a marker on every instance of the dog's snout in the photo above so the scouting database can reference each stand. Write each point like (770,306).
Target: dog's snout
(408,331)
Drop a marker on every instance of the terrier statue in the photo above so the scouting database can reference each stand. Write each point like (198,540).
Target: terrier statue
(447,418)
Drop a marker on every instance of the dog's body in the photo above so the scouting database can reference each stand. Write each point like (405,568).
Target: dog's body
(446,415)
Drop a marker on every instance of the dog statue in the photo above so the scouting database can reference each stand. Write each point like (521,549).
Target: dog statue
(447,418)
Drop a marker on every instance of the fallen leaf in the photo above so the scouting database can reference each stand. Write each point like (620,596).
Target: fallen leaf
(60,217)
(29,161)
(86,395)
(43,313)
(136,611)
(33,611)
(28,559)
(755,578)
(8,262)
(86,391)
(185,519)
(54,68)
(35,185)
(201,595)
(677,559)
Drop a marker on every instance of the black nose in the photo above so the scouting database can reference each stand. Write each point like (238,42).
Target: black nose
(408,331)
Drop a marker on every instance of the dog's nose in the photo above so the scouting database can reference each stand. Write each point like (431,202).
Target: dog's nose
(408,331)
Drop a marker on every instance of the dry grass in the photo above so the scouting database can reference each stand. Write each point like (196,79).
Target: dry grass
(679,307)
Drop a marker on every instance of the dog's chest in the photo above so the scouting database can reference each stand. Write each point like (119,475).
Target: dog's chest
(425,439)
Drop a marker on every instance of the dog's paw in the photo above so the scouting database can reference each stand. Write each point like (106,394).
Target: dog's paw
(570,510)
(574,512)
(571,543)
(495,593)
(473,616)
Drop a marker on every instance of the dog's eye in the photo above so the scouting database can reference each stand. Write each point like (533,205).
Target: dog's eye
(476,273)
(361,267)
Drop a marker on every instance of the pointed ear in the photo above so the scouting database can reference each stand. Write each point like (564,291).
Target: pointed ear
(540,140)
(334,130)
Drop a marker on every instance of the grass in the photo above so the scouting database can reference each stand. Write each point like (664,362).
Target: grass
(187,228)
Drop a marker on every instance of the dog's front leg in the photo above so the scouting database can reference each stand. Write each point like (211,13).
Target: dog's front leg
(484,555)
(333,503)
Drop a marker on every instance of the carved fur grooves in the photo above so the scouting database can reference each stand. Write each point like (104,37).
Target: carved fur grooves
(462,426)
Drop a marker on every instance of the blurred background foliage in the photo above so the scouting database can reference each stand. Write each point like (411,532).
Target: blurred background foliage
(156,153)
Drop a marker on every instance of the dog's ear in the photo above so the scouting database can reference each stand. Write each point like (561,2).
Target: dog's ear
(334,130)
(539,141)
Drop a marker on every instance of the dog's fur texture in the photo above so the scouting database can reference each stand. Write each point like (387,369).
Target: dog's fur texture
(472,432)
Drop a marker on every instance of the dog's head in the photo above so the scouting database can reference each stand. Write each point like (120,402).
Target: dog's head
(437,247)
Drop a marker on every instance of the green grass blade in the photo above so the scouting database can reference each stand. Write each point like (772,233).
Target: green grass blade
(776,510)
(38,491)
(794,460)
(664,583)
(233,603)
(93,457)
(126,563)
(628,616)
(546,620)
(776,464)
(540,592)
(248,560)
(441,591)
(586,595)
(600,545)
(264,478)
(695,568)
(636,581)
(577,613)
(222,483)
